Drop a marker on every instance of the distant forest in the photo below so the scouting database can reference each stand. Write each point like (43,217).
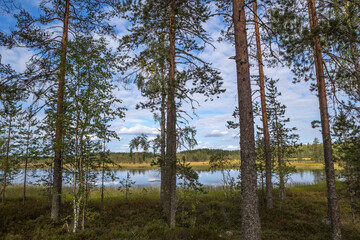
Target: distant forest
(304,152)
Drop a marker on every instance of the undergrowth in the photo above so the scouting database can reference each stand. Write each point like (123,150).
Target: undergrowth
(302,215)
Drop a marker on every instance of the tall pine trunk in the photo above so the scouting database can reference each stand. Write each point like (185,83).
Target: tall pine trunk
(269,197)
(250,221)
(56,199)
(7,158)
(170,163)
(333,208)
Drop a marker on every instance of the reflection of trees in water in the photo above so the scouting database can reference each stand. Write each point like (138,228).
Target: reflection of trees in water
(318,175)
(37,176)
(136,171)
(301,174)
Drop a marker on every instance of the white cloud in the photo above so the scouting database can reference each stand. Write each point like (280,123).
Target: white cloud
(231,147)
(217,133)
(17,57)
(138,129)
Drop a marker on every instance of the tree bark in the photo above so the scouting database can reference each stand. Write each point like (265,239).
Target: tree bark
(56,200)
(250,221)
(269,197)
(170,163)
(333,208)
(7,159)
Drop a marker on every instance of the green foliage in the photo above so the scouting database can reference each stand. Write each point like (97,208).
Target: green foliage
(317,154)
(10,136)
(205,154)
(347,151)
(141,142)
(190,191)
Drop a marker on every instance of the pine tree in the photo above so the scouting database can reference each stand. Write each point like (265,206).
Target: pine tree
(298,33)
(250,221)
(10,113)
(179,23)
(48,65)
(29,141)
(269,201)
(284,139)
(346,131)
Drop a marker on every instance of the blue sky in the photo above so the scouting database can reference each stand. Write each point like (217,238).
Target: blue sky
(302,105)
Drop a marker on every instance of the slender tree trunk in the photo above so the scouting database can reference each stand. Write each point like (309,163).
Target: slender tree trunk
(81,189)
(56,200)
(333,207)
(7,159)
(51,181)
(102,186)
(279,157)
(269,197)
(170,163)
(75,200)
(103,174)
(76,153)
(81,180)
(250,221)
(86,197)
(163,143)
(25,173)
(26,160)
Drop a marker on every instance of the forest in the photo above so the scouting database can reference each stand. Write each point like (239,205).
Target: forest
(180,119)
(302,152)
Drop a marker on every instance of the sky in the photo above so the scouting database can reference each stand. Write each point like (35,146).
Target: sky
(212,116)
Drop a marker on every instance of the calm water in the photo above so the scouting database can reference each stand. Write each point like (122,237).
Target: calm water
(152,177)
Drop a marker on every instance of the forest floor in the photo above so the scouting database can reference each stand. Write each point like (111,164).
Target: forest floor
(214,214)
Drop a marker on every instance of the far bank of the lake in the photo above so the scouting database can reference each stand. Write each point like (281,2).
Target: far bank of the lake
(204,165)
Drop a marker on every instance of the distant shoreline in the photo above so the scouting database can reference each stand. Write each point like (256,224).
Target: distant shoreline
(204,165)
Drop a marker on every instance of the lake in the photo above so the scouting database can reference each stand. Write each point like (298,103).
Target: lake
(151,177)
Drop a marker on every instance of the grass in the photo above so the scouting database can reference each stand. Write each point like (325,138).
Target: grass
(216,216)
